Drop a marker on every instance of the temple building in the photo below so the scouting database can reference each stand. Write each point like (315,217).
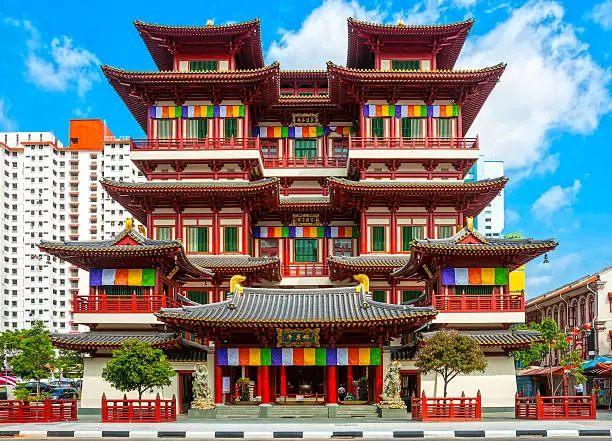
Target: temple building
(302,228)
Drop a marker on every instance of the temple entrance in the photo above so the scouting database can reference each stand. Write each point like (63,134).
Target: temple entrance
(185,381)
(303,385)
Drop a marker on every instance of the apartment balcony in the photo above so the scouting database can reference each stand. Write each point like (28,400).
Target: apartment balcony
(479,308)
(413,148)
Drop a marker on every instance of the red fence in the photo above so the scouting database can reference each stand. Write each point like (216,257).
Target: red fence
(555,408)
(412,143)
(305,162)
(16,411)
(479,303)
(194,144)
(122,303)
(305,270)
(446,409)
(138,411)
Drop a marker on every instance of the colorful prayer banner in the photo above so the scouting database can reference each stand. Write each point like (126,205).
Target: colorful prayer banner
(157,112)
(474,276)
(298,357)
(300,131)
(409,111)
(126,277)
(306,232)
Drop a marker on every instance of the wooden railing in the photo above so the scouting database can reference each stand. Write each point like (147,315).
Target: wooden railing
(194,144)
(305,162)
(446,409)
(138,411)
(357,143)
(479,302)
(16,411)
(288,399)
(122,303)
(555,408)
(305,270)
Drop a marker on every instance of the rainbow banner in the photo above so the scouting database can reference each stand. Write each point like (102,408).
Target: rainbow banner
(416,111)
(305,232)
(156,112)
(301,132)
(127,277)
(298,357)
(474,276)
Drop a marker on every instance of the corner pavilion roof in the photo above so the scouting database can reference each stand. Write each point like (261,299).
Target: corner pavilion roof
(343,267)
(229,265)
(466,245)
(324,307)
(121,250)
(449,38)
(163,40)
(113,340)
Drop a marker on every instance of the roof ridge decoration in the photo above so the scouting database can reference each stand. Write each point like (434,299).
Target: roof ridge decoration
(196,27)
(402,25)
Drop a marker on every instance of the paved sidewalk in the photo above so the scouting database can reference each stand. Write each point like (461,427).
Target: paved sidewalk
(91,427)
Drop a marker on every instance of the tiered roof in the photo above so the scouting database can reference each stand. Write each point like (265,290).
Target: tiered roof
(267,268)
(342,267)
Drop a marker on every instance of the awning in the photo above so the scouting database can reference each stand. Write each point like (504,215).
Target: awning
(539,371)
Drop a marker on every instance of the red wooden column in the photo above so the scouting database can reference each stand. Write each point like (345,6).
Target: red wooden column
(150,225)
(216,233)
(430,222)
(246,230)
(286,254)
(265,386)
(362,232)
(332,386)
(259,380)
(349,380)
(393,235)
(283,381)
(218,380)
(179,222)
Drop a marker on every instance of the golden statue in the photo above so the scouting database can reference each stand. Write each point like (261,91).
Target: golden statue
(142,230)
(364,282)
(235,282)
(469,223)
(129,224)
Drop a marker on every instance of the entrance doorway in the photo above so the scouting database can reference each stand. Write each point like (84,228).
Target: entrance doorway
(185,383)
(304,385)
(411,385)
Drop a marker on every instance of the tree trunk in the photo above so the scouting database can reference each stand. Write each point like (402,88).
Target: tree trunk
(445,386)
(140,394)
(38,388)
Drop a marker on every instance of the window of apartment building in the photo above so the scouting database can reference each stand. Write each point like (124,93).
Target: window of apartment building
(379,295)
(305,148)
(378,238)
(231,127)
(444,232)
(230,239)
(378,127)
(197,239)
(197,128)
(203,65)
(412,128)
(305,250)
(268,247)
(343,247)
(410,233)
(164,233)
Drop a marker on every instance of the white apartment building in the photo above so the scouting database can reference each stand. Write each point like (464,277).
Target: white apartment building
(490,221)
(52,191)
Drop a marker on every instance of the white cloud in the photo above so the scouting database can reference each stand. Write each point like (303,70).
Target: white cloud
(511,216)
(551,82)
(541,277)
(6,122)
(602,14)
(554,199)
(82,113)
(58,66)
(322,37)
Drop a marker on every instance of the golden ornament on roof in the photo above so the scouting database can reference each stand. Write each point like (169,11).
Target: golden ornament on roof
(235,283)
(129,223)
(364,282)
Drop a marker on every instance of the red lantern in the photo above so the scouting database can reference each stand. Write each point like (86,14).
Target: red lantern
(553,342)
(576,331)
(587,326)
(568,339)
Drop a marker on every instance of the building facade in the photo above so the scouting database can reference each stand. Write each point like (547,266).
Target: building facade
(302,228)
(490,221)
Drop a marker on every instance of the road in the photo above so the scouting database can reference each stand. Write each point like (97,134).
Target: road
(522,438)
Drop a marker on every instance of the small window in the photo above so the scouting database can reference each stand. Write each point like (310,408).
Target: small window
(343,247)
(445,232)
(268,247)
(378,239)
(305,148)
(378,127)
(197,128)
(197,239)
(379,296)
(164,128)
(230,239)
(203,65)
(198,296)
(231,127)
(411,128)
(411,294)
(305,250)
(164,233)
(405,64)
(444,127)
(409,234)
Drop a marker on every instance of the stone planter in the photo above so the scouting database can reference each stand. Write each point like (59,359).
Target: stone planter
(202,414)
(393,414)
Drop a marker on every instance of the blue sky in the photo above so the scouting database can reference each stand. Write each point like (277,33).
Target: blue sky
(549,119)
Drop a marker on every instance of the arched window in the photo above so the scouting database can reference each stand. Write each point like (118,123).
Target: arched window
(591,308)
(582,311)
(549,313)
(562,317)
(556,314)
(573,312)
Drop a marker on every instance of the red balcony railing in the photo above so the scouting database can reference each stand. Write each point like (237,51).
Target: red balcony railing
(16,411)
(126,303)
(305,162)
(413,143)
(555,408)
(305,270)
(194,144)
(479,303)
(138,411)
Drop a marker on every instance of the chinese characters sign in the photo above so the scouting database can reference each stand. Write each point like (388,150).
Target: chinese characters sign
(297,338)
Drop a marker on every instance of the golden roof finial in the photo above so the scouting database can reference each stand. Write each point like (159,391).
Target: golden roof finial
(235,284)
(469,223)
(364,282)
(129,224)
(210,23)
(142,230)
(400,24)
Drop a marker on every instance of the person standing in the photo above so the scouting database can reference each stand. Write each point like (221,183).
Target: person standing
(341,392)
(579,389)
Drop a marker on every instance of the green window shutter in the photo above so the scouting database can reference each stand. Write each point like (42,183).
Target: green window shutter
(444,128)
(197,239)
(379,296)
(411,294)
(378,127)
(445,232)
(473,289)
(163,128)
(305,250)
(197,128)
(203,65)
(198,296)
(305,148)
(405,64)
(164,233)
(378,238)
(411,128)
(230,239)
(305,93)
(231,127)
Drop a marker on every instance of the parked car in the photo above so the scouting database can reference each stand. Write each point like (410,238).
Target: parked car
(63,393)
(62,383)
(31,385)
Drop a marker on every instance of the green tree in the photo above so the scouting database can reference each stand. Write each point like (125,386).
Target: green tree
(30,352)
(552,340)
(449,354)
(69,364)
(137,366)
(514,235)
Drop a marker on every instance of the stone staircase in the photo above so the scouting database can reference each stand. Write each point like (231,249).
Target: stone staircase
(362,411)
(296,411)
